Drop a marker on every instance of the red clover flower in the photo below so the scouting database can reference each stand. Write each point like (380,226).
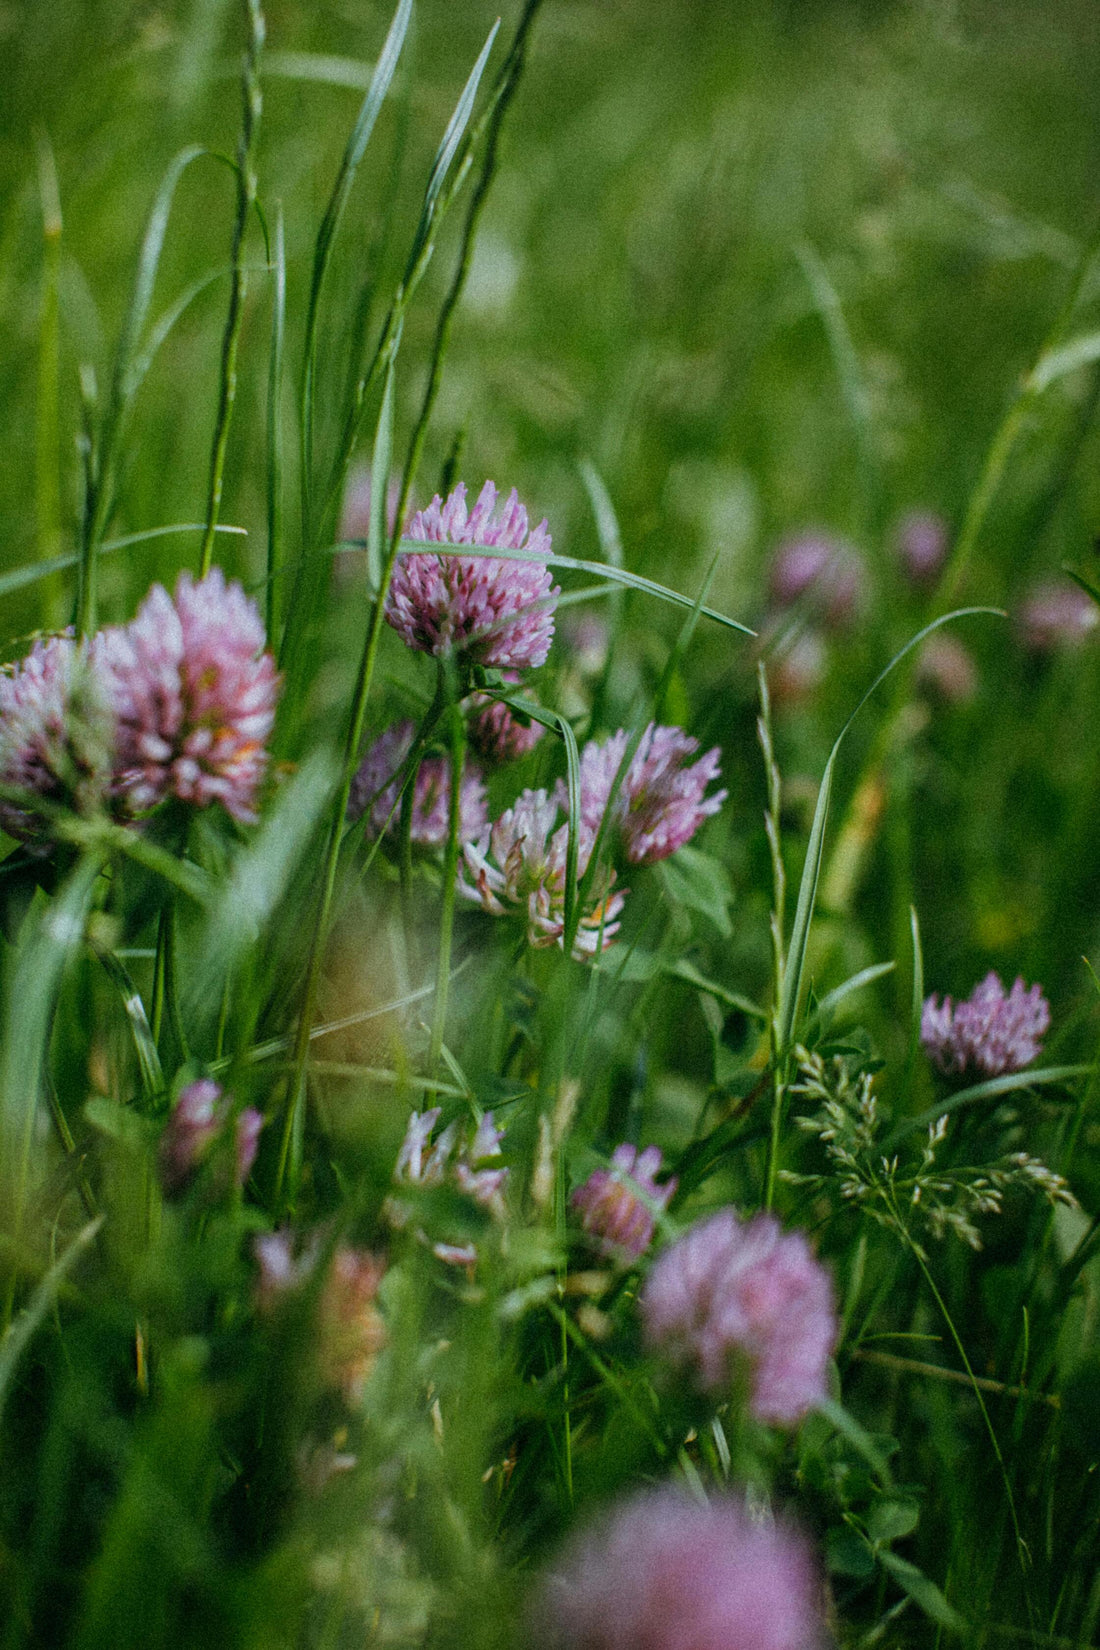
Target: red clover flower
(376,787)
(616,1205)
(661,802)
(194,695)
(663,1572)
(55,732)
(475,605)
(993,1031)
(731,1296)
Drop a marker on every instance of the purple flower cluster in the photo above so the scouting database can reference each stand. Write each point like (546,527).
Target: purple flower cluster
(745,1298)
(375,791)
(495,612)
(661,801)
(199,1120)
(664,1572)
(194,694)
(616,1206)
(178,703)
(520,861)
(1055,614)
(56,732)
(920,543)
(993,1031)
(827,570)
(495,732)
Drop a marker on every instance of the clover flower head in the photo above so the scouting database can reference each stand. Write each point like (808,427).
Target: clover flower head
(661,801)
(661,1571)
(456,1157)
(376,788)
(824,568)
(736,1297)
(350,1330)
(920,543)
(56,732)
(994,1031)
(198,1120)
(946,668)
(194,693)
(1055,614)
(495,731)
(616,1205)
(521,862)
(496,612)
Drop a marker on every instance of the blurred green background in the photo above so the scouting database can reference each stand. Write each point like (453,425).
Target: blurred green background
(680,186)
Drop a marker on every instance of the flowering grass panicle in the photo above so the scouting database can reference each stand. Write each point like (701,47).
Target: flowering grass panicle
(616,1205)
(661,801)
(663,1572)
(993,1031)
(495,612)
(194,692)
(56,732)
(375,790)
(732,1296)
(521,862)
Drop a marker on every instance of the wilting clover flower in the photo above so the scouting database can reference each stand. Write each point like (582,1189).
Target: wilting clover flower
(663,1572)
(661,802)
(56,732)
(616,1205)
(993,1031)
(495,731)
(194,694)
(376,786)
(198,1121)
(826,569)
(494,612)
(521,862)
(456,1158)
(744,1298)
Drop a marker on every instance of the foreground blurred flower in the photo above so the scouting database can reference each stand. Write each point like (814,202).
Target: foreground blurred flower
(475,605)
(1055,614)
(828,570)
(947,669)
(56,732)
(521,861)
(375,790)
(616,1205)
(662,1572)
(732,1297)
(661,802)
(920,543)
(993,1031)
(197,1122)
(194,694)
(350,1330)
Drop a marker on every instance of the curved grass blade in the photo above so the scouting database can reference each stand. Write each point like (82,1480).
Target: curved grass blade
(275,428)
(47,446)
(866,976)
(20,1333)
(381,460)
(989,1090)
(791,985)
(853,388)
(380,81)
(21,576)
(322,68)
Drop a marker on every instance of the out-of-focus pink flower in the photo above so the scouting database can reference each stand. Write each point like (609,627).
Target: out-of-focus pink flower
(521,861)
(496,732)
(920,543)
(1055,614)
(947,669)
(194,694)
(993,1031)
(616,1206)
(56,732)
(454,1156)
(662,1572)
(376,788)
(587,639)
(798,668)
(737,1297)
(827,569)
(350,1330)
(197,1122)
(496,612)
(661,802)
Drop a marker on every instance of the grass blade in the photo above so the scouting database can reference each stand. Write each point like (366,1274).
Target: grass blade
(20,1333)
(275,428)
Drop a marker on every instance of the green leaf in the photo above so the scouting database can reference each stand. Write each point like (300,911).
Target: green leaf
(381,459)
(922,1591)
(701,883)
(1056,363)
(847,1554)
(892,1520)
